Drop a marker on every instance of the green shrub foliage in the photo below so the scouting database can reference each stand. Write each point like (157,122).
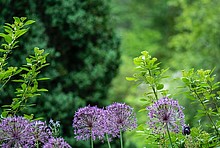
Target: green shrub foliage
(83,54)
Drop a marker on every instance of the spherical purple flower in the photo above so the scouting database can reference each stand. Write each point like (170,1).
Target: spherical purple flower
(166,112)
(89,122)
(120,117)
(41,131)
(56,143)
(16,132)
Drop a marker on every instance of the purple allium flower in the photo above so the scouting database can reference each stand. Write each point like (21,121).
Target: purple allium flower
(56,143)
(166,112)
(120,117)
(16,132)
(41,131)
(89,121)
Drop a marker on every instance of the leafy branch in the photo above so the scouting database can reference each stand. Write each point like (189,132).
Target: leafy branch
(29,83)
(12,33)
(149,72)
(202,86)
(28,73)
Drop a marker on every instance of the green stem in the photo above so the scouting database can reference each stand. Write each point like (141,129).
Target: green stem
(169,136)
(91,139)
(153,88)
(108,141)
(121,138)
(37,144)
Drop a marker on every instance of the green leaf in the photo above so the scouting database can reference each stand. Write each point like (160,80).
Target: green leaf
(17,20)
(18,81)
(43,79)
(10,25)
(24,68)
(5,106)
(20,32)
(8,39)
(24,86)
(23,19)
(2,34)
(29,22)
(185,80)
(150,79)
(16,105)
(2,50)
(8,29)
(140,127)
(143,99)
(142,110)
(160,86)
(4,114)
(131,79)
(29,117)
(42,89)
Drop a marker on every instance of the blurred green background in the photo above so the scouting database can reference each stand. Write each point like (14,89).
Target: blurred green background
(92,44)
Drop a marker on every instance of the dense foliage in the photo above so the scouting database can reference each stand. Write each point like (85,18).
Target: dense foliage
(83,54)
(165,120)
(197,35)
(181,33)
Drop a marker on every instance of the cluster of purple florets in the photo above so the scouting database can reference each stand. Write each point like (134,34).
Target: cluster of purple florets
(165,113)
(91,122)
(95,122)
(20,132)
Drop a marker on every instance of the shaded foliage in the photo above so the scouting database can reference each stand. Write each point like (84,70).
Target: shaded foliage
(83,54)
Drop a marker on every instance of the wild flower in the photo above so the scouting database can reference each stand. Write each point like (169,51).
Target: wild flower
(56,143)
(120,117)
(54,127)
(16,132)
(166,114)
(88,123)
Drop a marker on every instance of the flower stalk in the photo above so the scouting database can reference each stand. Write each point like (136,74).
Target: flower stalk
(121,138)
(109,146)
(169,135)
(91,140)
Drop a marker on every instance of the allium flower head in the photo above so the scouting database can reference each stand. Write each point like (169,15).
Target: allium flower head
(56,143)
(120,117)
(41,131)
(16,132)
(89,121)
(166,112)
